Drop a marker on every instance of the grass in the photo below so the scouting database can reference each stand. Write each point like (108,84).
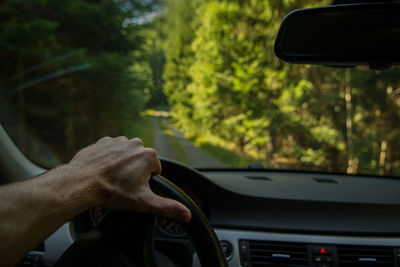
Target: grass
(229,158)
(177,148)
(396,171)
(144,130)
(224,155)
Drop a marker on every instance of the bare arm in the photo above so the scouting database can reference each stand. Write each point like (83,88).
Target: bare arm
(114,172)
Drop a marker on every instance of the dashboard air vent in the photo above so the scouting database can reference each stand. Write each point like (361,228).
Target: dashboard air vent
(350,256)
(266,253)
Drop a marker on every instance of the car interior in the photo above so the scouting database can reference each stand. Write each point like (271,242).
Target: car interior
(252,215)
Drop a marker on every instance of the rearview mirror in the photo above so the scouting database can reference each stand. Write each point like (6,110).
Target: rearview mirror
(341,35)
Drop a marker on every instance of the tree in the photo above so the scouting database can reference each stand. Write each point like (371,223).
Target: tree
(178,29)
(75,69)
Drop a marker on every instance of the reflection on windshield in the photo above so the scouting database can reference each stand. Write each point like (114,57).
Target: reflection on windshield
(197,80)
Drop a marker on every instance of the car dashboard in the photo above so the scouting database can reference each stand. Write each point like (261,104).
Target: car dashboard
(276,218)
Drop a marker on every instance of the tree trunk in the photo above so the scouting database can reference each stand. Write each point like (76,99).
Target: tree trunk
(349,124)
(388,161)
(382,157)
(241,144)
(270,148)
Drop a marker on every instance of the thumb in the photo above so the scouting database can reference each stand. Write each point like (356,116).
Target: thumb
(168,208)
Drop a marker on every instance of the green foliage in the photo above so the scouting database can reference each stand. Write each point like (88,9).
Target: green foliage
(177,28)
(76,71)
(142,129)
(223,81)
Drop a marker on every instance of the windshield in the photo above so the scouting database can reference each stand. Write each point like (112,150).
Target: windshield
(196,80)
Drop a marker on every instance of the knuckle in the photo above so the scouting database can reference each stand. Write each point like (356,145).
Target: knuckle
(121,138)
(164,209)
(170,211)
(104,139)
(150,152)
(137,141)
(160,208)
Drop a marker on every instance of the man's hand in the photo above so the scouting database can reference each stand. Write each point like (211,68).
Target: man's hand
(122,169)
(114,172)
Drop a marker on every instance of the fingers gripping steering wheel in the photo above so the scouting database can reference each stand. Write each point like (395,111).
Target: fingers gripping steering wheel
(126,239)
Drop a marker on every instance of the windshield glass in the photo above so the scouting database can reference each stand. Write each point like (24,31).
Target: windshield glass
(196,80)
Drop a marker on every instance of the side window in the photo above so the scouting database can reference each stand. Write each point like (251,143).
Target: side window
(76,71)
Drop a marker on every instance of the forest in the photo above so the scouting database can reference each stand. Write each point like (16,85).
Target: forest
(78,70)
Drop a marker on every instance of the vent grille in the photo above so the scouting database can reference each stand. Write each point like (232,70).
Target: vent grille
(365,256)
(265,253)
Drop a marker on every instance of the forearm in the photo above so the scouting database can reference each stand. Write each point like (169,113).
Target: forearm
(30,211)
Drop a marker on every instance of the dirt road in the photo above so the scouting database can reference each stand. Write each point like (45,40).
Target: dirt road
(194,156)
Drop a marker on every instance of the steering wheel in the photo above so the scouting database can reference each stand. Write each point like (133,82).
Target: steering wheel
(126,239)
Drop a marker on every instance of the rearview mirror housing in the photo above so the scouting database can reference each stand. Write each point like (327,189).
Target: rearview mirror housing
(341,35)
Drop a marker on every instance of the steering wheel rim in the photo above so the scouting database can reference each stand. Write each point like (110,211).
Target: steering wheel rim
(200,231)
(111,242)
